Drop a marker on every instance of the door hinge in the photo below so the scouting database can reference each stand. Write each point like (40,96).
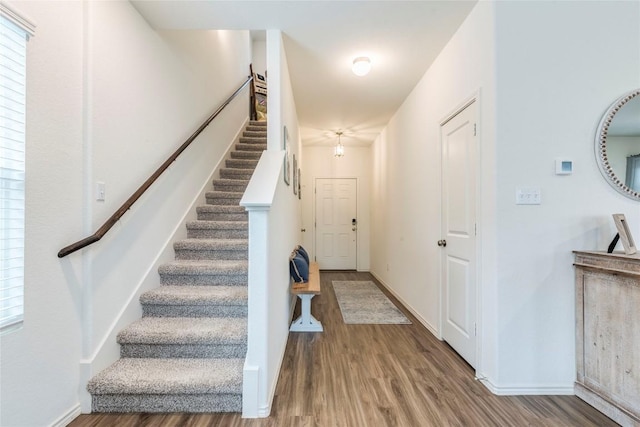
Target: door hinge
(475,130)
(475,229)
(475,329)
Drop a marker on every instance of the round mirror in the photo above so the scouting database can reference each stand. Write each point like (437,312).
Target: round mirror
(618,145)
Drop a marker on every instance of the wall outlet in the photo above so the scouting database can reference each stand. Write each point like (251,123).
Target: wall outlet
(528,196)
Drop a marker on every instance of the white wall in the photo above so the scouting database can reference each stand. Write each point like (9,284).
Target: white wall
(554,85)
(319,162)
(543,89)
(259,56)
(39,363)
(108,100)
(405,213)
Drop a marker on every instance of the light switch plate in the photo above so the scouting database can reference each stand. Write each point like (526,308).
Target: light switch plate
(528,196)
(101,191)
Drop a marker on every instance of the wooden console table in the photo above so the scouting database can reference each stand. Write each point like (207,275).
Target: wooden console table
(608,334)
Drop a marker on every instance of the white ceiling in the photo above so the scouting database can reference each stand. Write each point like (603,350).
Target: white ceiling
(321,39)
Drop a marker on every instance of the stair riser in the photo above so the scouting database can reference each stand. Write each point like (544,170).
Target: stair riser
(254,155)
(217,216)
(234,188)
(204,280)
(254,134)
(241,163)
(225,201)
(200,233)
(165,310)
(191,351)
(186,254)
(252,128)
(251,147)
(167,403)
(236,174)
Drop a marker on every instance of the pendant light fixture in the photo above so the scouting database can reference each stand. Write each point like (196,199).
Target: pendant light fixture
(338,150)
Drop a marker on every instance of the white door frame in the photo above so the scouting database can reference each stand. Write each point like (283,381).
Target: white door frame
(315,213)
(474,99)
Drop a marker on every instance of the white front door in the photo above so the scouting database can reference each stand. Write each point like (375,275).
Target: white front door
(459,232)
(336,223)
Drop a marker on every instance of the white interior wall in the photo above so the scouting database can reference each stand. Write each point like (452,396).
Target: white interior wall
(319,162)
(550,90)
(405,213)
(259,56)
(554,86)
(39,363)
(108,100)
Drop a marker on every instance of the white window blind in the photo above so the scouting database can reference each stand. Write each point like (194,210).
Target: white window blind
(13,45)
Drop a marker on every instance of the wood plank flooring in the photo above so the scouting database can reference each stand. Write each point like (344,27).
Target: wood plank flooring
(376,375)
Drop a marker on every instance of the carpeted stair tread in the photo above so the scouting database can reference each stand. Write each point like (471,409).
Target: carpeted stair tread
(185,330)
(169,376)
(204,267)
(245,155)
(234,181)
(224,194)
(212,249)
(255,133)
(252,146)
(212,244)
(196,295)
(236,173)
(218,225)
(221,209)
(242,163)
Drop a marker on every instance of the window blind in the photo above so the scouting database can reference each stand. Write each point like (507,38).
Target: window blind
(13,45)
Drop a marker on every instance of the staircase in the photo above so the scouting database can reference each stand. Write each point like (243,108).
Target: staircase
(187,352)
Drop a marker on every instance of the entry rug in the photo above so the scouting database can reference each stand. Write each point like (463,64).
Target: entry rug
(361,302)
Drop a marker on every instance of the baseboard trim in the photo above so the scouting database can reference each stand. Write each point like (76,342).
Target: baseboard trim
(66,419)
(406,305)
(528,390)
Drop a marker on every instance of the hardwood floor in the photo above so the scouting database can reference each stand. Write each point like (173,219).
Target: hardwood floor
(377,375)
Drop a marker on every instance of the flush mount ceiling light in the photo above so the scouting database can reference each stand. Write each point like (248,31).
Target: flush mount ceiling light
(361,66)
(338,151)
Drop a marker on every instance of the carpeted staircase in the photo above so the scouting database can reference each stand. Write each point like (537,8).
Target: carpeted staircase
(187,352)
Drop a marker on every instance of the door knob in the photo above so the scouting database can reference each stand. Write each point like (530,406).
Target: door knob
(442,243)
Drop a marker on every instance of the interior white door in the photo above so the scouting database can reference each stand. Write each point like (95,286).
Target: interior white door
(458,138)
(336,223)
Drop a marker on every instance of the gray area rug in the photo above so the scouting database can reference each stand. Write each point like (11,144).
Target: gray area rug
(361,302)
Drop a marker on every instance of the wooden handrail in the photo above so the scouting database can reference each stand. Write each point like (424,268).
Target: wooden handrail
(135,196)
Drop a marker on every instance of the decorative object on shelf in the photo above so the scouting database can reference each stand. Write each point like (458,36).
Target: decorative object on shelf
(624,234)
(338,151)
(361,66)
(617,143)
(287,161)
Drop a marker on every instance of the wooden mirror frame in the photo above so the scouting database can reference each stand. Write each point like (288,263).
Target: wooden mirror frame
(601,146)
